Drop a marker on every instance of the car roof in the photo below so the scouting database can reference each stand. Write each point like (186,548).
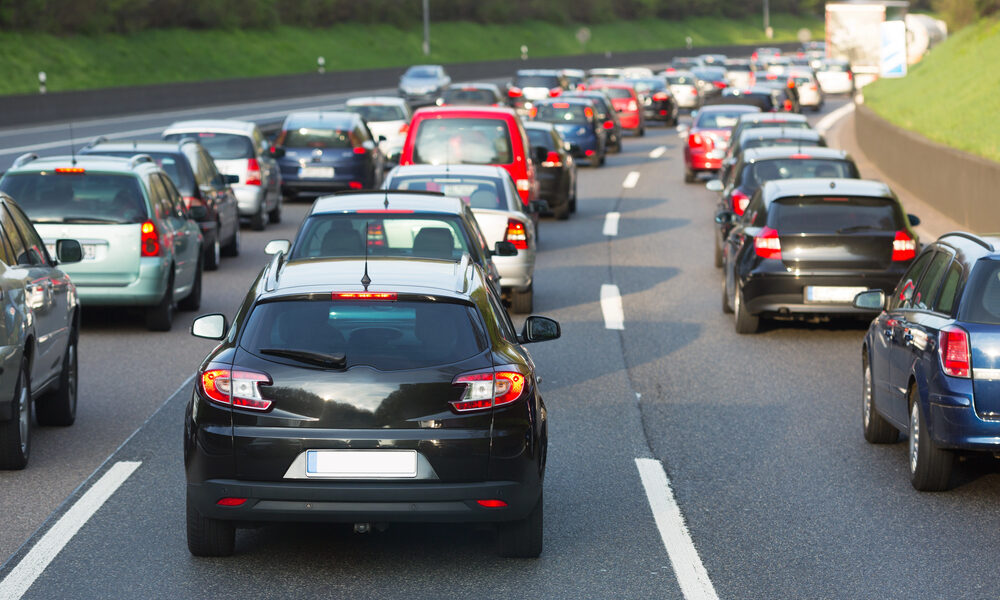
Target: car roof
(217,125)
(542,124)
(779,132)
(552,72)
(575,100)
(137,146)
(613,83)
(378,100)
(405,170)
(478,85)
(774,152)
(785,188)
(450,278)
(489,112)
(424,202)
(769,116)
(728,108)
(87,162)
(320,117)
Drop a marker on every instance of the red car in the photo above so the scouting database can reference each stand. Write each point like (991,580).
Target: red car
(626,103)
(472,136)
(708,137)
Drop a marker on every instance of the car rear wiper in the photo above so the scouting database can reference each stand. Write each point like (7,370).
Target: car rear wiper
(79,220)
(335,361)
(856,228)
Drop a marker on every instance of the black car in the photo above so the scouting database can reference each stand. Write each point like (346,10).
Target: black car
(786,92)
(367,392)
(207,193)
(657,102)
(807,247)
(320,152)
(710,81)
(756,167)
(763,119)
(765,137)
(766,99)
(474,94)
(555,169)
(606,114)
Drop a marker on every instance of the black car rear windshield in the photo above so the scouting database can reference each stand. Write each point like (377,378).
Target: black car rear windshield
(648,85)
(222,146)
(385,335)
(474,190)
(417,235)
(770,142)
(756,174)
(175,165)
(51,197)
(375,113)
(316,137)
(564,112)
(474,96)
(545,81)
(468,141)
(834,215)
(616,93)
(981,302)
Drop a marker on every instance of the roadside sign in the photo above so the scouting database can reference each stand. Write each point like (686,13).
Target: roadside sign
(893,54)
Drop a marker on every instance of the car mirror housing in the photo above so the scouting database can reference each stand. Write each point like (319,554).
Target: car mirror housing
(914,220)
(540,329)
(870,300)
(68,251)
(714,185)
(210,327)
(277,247)
(504,248)
(276,152)
(723,216)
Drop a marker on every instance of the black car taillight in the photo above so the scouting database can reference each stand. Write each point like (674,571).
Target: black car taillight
(235,387)
(487,390)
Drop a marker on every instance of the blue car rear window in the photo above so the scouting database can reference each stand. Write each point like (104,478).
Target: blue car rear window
(981,299)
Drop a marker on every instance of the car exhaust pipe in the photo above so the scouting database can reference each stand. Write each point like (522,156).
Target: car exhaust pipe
(362,527)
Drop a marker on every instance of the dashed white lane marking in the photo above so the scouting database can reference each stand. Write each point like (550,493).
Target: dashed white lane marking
(658,152)
(827,122)
(611,223)
(631,179)
(55,539)
(690,572)
(611,307)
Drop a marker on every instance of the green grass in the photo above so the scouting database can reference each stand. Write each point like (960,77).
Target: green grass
(951,96)
(158,56)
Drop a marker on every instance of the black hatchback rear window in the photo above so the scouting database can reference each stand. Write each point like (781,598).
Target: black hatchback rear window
(385,335)
(833,214)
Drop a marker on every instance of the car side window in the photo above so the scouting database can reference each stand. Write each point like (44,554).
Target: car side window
(19,254)
(259,142)
(208,165)
(173,198)
(949,290)
(34,253)
(480,238)
(158,197)
(755,215)
(924,293)
(6,251)
(904,291)
(502,318)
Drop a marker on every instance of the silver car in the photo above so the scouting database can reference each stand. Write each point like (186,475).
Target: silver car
(421,85)
(386,117)
(684,87)
(835,76)
(239,148)
(810,93)
(491,194)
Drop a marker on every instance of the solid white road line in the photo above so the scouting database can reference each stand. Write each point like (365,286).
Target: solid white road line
(690,572)
(55,539)
(611,307)
(829,120)
(631,179)
(658,152)
(611,223)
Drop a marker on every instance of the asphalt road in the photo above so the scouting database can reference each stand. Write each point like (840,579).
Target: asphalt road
(760,437)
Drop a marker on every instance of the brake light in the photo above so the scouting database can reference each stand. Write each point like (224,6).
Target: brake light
(609,124)
(253,172)
(632,106)
(740,202)
(231,501)
(788,105)
(903,247)
(555,92)
(799,156)
(375,235)
(560,105)
(660,96)
(71,170)
(192,201)
(492,503)
(404,128)
(149,239)
(355,185)
(588,152)
(360,150)
(694,91)
(514,92)
(850,76)
(588,112)
(235,387)
(696,140)
(533,112)
(552,159)
(813,87)
(488,390)
(392,296)
(767,244)
(523,185)
(953,348)
(516,234)
(720,84)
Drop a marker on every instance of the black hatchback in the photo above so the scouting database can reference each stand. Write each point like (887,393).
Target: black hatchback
(367,392)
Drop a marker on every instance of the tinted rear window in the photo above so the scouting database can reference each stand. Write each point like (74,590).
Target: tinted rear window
(316,137)
(374,113)
(646,85)
(680,80)
(564,112)
(174,165)
(833,214)
(758,173)
(468,141)
(785,124)
(616,93)
(771,142)
(222,146)
(410,235)
(470,96)
(981,299)
(717,119)
(421,72)
(86,198)
(477,192)
(545,81)
(387,336)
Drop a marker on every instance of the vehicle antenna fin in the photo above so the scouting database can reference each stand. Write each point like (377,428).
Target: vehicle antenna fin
(72,144)
(385,203)
(365,279)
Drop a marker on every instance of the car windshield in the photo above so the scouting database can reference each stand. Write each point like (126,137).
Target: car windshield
(173,165)
(833,214)
(463,141)
(680,80)
(375,113)
(756,174)
(222,146)
(545,81)
(421,72)
(476,191)
(469,96)
(717,119)
(316,137)
(384,234)
(384,335)
(835,67)
(564,112)
(49,197)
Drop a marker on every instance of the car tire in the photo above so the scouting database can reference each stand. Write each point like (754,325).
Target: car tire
(161,316)
(15,434)
(562,213)
(876,429)
(58,407)
(718,253)
(213,254)
(727,308)
(744,321)
(522,538)
(641,132)
(618,145)
(193,300)
(232,248)
(208,537)
(689,176)
(523,302)
(930,466)
(275,215)
(259,220)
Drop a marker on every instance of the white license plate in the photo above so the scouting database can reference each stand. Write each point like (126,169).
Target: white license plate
(361,464)
(89,251)
(316,172)
(832,294)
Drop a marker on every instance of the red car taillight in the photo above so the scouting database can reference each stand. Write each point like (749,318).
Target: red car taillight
(360,150)
(696,140)
(149,240)
(632,106)
(516,234)
(953,348)
(788,106)
(514,92)
(740,202)
(609,124)
(555,92)
(376,235)
(487,390)
(661,96)
(767,244)
(235,387)
(404,128)
(253,172)
(552,159)
(192,201)
(720,84)
(903,247)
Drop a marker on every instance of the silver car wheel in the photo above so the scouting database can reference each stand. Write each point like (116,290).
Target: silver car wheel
(914,437)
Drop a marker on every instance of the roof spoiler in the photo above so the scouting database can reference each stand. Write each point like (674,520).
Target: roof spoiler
(138,159)
(97,140)
(24,159)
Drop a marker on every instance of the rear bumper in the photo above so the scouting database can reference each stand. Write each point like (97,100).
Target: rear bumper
(516,271)
(954,424)
(784,293)
(249,198)
(699,160)
(304,188)
(630,120)
(146,290)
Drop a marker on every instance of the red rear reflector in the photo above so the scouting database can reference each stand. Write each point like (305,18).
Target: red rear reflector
(360,150)
(516,234)
(492,503)
(240,388)
(253,172)
(609,124)
(71,171)
(953,348)
(149,239)
(365,296)
(903,246)
(231,501)
(355,185)
(767,244)
(560,105)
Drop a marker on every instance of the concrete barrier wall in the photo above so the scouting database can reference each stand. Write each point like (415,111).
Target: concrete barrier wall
(958,184)
(31,109)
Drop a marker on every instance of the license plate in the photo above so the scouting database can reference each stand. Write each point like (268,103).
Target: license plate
(832,294)
(361,464)
(316,172)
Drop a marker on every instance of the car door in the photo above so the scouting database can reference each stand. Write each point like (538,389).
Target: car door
(738,240)
(921,325)
(214,183)
(189,238)
(175,229)
(12,319)
(269,168)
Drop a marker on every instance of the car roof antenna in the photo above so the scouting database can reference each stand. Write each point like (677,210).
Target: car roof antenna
(385,203)
(365,279)
(72,145)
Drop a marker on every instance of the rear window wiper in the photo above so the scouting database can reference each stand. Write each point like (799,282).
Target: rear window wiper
(80,220)
(855,228)
(322,359)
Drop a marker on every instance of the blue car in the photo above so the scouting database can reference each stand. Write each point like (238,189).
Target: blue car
(576,121)
(319,153)
(931,359)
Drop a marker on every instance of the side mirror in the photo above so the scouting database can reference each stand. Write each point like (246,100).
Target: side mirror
(276,152)
(723,216)
(870,300)
(68,251)
(574,148)
(232,179)
(505,249)
(714,186)
(540,329)
(914,220)
(540,154)
(198,213)
(368,145)
(382,138)
(277,247)
(211,327)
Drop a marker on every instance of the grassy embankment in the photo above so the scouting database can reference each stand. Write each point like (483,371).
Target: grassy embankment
(951,95)
(82,62)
